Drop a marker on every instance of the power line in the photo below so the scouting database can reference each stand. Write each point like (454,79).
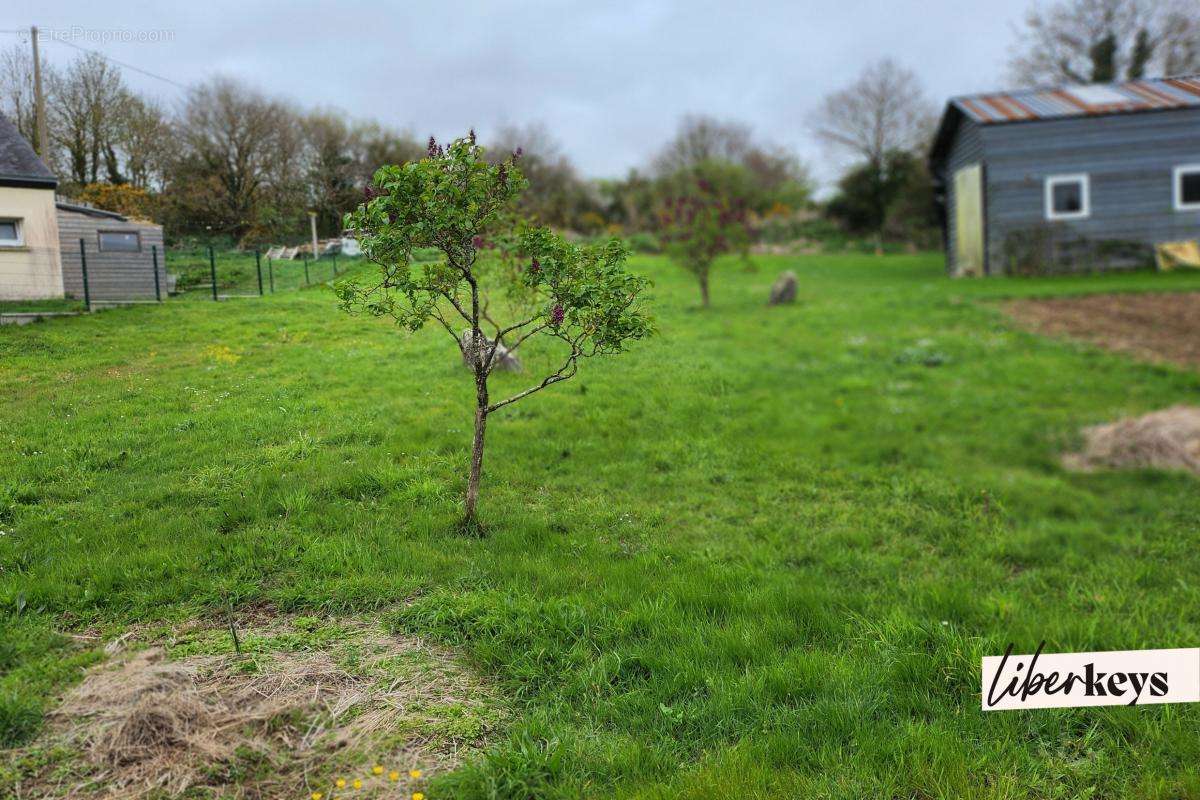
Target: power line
(105,56)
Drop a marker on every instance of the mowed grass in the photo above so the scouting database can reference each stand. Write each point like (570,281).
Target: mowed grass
(760,555)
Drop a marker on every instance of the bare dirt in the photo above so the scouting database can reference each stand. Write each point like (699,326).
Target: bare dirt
(1156,326)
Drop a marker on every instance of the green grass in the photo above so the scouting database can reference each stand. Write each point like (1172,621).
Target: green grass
(759,556)
(16,306)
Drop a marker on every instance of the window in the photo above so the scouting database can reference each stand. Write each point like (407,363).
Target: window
(1187,187)
(1067,197)
(120,242)
(10,233)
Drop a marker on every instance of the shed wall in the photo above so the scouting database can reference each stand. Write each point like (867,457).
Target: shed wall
(111,276)
(1129,159)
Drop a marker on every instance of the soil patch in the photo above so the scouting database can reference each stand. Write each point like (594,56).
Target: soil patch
(1168,439)
(1157,326)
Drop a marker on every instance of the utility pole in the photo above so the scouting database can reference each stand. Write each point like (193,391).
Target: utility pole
(39,97)
(312,221)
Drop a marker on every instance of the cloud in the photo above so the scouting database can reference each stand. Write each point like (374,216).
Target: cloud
(609,80)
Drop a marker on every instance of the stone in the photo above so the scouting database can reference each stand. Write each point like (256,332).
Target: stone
(784,289)
(504,360)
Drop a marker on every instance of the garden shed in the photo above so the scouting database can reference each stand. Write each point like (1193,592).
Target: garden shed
(121,255)
(1068,179)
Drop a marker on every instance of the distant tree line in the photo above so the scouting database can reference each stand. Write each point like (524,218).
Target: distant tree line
(232,161)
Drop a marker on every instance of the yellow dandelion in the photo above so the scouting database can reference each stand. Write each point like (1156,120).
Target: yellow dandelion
(340,783)
(393,775)
(418,796)
(357,783)
(377,770)
(414,773)
(317,796)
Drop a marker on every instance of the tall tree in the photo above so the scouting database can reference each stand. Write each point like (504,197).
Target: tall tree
(556,196)
(238,154)
(16,90)
(776,174)
(89,99)
(1098,41)
(144,139)
(884,111)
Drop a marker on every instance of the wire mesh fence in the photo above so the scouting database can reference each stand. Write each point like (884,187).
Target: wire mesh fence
(226,275)
(97,277)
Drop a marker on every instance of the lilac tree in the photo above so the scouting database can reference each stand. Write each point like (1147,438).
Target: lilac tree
(578,299)
(704,214)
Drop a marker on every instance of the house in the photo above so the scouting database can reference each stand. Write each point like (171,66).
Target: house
(30,267)
(44,241)
(1074,178)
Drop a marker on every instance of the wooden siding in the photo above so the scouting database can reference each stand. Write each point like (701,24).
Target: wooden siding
(967,149)
(111,276)
(1129,159)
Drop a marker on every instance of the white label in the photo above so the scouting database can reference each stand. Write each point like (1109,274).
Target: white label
(1115,678)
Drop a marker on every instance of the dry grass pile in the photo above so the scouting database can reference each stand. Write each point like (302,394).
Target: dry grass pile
(1167,439)
(268,724)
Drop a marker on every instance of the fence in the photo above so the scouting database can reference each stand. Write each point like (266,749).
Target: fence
(229,275)
(100,273)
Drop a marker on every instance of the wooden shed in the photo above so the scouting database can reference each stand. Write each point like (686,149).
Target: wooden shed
(120,255)
(1067,179)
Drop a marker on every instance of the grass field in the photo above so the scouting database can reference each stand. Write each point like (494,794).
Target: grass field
(759,556)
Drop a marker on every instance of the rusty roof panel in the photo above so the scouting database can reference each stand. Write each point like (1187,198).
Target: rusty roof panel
(1078,101)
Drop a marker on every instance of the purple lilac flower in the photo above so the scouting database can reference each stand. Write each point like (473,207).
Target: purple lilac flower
(557,314)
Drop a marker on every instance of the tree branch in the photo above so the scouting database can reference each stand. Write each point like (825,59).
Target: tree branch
(565,372)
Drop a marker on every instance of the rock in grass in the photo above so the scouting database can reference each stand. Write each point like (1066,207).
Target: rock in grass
(784,289)
(503,360)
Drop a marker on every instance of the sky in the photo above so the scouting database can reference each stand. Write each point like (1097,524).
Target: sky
(609,80)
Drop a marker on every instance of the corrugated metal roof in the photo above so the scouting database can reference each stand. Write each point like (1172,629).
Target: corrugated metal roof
(1078,101)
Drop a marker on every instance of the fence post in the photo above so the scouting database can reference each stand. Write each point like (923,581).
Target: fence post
(212,268)
(154,257)
(271,273)
(258,266)
(87,295)
(307,282)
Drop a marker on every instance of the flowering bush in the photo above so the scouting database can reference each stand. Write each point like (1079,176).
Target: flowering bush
(580,297)
(705,214)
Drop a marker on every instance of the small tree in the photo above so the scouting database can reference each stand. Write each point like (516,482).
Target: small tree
(704,215)
(579,298)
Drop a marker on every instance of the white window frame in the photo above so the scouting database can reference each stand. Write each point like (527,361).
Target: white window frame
(20,225)
(1086,193)
(1177,186)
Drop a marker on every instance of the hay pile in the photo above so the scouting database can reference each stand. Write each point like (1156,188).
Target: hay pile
(1168,439)
(271,724)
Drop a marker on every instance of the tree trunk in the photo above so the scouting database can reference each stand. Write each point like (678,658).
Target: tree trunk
(704,289)
(481,404)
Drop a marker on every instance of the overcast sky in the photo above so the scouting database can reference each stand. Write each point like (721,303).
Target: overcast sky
(610,80)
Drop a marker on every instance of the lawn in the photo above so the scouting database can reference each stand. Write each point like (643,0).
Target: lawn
(761,555)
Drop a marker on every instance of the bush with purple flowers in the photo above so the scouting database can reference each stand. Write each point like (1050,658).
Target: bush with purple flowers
(580,298)
(704,214)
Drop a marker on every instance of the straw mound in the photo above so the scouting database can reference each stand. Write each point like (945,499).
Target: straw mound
(1168,439)
(272,724)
